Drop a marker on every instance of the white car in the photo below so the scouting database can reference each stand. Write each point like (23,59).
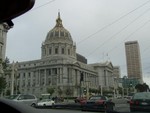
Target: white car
(28,99)
(46,102)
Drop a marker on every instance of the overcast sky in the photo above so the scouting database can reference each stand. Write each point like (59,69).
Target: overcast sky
(98,27)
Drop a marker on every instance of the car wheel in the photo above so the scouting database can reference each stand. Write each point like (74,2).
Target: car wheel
(110,107)
(113,108)
(44,104)
(83,108)
(53,105)
(33,104)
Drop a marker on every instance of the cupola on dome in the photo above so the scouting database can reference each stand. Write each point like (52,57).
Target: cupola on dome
(58,32)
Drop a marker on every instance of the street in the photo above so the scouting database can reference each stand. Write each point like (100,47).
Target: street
(121,105)
(62,111)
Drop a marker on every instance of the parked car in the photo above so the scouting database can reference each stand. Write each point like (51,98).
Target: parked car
(128,99)
(140,102)
(97,103)
(79,99)
(46,102)
(28,99)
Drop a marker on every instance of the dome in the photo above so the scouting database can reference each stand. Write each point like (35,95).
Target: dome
(58,32)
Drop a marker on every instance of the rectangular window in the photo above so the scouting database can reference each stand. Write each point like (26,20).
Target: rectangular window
(50,51)
(56,34)
(29,74)
(68,51)
(51,34)
(61,33)
(62,51)
(56,50)
(24,75)
(54,70)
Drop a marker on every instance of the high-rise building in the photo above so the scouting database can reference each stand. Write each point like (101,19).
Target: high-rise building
(133,59)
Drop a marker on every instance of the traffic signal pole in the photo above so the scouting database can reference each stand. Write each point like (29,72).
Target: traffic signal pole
(80,88)
(81,79)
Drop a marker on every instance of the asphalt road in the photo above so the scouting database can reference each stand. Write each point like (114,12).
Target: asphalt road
(62,111)
(121,105)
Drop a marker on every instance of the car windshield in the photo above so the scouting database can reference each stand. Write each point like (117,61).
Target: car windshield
(82,54)
(12,96)
(142,96)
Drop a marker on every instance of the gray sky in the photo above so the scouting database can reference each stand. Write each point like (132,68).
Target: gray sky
(99,28)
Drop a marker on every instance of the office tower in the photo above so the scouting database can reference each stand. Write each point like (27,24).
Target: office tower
(133,60)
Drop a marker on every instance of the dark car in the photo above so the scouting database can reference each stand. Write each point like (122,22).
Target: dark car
(97,103)
(140,102)
(79,99)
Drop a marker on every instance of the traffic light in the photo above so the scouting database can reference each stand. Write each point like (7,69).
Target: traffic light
(81,77)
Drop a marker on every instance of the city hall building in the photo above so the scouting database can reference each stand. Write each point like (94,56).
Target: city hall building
(59,67)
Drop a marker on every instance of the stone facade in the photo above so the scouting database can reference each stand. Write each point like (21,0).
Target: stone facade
(3,37)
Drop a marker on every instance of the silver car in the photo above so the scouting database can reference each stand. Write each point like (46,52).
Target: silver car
(28,99)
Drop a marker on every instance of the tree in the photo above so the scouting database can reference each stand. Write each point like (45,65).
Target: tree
(139,88)
(2,84)
(2,77)
(50,90)
(68,92)
(5,63)
(60,92)
(145,87)
(142,87)
(8,92)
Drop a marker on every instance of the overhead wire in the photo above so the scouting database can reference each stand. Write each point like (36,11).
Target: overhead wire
(109,39)
(104,26)
(99,30)
(130,35)
(42,5)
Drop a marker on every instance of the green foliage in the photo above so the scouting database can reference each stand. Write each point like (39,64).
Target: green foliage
(2,77)
(5,63)
(120,90)
(2,84)
(50,90)
(68,91)
(8,92)
(142,87)
(60,92)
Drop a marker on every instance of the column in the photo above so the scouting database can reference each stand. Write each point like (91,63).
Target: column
(12,79)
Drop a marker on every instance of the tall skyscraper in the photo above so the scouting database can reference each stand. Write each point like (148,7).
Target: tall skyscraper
(133,59)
